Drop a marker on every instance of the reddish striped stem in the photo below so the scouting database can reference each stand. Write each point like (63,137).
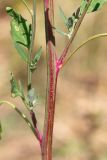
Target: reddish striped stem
(52,74)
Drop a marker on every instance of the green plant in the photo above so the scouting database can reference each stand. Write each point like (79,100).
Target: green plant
(23,35)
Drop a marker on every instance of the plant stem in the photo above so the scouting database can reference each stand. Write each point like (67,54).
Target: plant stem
(51,82)
(65,51)
(84,43)
(29,85)
(37,133)
(49,109)
(20,113)
(31,45)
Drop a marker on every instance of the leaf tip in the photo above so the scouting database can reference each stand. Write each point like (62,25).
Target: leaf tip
(8,9)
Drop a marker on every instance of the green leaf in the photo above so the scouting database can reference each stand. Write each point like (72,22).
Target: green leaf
(21,32)
(83,6)
(21,51)
(16,88)
(20,28)
(94,6)
(36,59)
(38,55)
(0,130)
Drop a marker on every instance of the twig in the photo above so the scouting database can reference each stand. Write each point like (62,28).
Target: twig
(20,113)
(29,86)
(65,51)
(81,45)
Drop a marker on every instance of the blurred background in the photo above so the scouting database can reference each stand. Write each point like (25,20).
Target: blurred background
(80,130)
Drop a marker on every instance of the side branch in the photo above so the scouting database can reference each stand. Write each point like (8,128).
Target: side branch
(65,51)
(84,43)
(22,115)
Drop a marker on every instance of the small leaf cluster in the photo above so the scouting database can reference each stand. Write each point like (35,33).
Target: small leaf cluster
(17,90)
(94,6)
(70,22)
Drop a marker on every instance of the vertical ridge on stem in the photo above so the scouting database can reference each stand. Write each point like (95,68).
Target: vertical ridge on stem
(51,81)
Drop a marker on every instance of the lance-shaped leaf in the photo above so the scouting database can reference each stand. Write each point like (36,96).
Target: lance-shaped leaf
(36,59)
(16,88)
(94,6)
(21,51)
(0,130)
(20,30)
